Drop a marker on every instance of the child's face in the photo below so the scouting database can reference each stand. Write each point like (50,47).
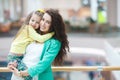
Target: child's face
(35,21)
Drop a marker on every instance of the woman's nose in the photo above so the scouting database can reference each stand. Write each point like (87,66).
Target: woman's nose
(43,23)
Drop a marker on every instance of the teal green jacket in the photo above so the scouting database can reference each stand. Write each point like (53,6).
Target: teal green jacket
(43,68)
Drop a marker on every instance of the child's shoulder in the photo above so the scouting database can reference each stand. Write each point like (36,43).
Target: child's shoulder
(26,26)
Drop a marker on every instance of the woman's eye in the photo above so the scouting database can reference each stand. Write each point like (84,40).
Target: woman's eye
(42,19)
(48,22)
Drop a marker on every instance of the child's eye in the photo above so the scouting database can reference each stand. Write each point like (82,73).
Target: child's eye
(32,20)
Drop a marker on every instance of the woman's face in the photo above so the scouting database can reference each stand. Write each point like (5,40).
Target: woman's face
(45,23)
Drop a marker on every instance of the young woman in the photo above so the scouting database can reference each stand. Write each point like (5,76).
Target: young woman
(51,51)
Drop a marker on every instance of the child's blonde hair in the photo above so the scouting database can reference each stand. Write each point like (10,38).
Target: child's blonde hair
(39,12)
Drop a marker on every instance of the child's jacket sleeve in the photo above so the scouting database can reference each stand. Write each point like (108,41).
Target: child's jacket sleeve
(37,37)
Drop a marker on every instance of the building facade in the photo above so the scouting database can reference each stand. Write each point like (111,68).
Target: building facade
(15,9)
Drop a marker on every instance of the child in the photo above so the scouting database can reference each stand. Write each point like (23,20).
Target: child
(26,35)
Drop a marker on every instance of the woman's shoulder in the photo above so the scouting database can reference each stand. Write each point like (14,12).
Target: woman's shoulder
(54,41)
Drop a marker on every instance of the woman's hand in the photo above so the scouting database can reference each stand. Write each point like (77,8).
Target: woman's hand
(18,73)
(12,66)
(15,71)
(12,63)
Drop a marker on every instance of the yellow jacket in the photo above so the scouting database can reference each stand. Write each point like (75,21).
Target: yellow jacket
(26,36)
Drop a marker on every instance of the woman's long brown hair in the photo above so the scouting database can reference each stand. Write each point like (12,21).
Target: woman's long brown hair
(58,26)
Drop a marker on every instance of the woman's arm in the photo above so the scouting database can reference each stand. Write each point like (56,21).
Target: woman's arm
(37,37)
(47,60)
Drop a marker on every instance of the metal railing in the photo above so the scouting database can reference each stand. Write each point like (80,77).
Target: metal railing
(76,68)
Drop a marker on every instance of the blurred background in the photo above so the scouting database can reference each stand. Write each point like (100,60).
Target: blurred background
(92,26)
